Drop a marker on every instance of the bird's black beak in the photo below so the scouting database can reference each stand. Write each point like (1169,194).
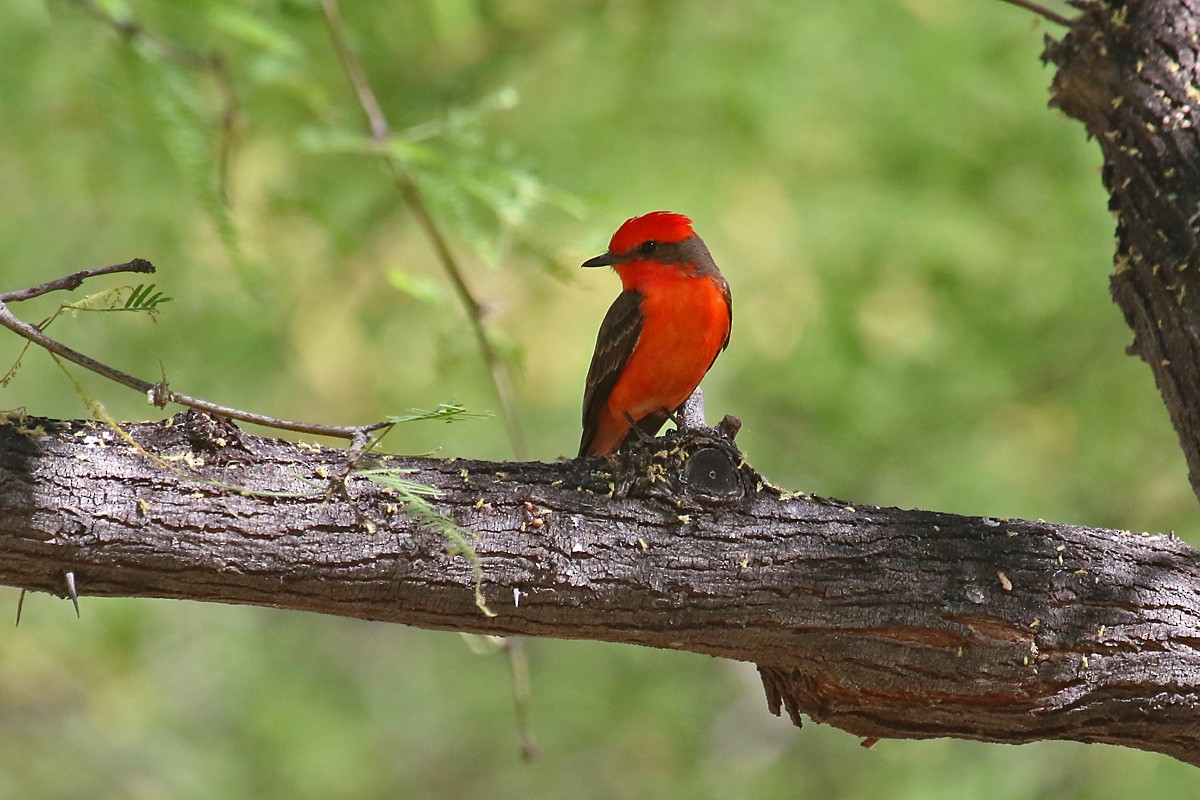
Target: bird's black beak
(603,260)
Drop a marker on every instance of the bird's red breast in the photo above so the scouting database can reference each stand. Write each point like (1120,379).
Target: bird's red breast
(661,334)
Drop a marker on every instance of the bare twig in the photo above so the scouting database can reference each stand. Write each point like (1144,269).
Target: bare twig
(75,280)
(518,663)
(497,366)
(354,71)
(157,393)
(380,130)
(1041,11)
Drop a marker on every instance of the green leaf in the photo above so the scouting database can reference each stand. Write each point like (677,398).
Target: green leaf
(352,141)
(144,298)
(446,412)
(117,9)
(106,300)
(334,141)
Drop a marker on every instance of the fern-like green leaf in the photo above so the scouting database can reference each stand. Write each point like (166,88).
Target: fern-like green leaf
(144,298)
(446,412)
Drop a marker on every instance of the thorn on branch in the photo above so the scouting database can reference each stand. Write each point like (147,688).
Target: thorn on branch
(71,592)
(691,413)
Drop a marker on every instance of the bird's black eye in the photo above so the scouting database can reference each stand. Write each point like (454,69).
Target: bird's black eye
(647,248)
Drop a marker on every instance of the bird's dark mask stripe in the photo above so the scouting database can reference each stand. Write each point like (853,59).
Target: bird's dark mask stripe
(689,251)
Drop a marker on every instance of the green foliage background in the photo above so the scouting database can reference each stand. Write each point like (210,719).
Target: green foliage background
(918,250)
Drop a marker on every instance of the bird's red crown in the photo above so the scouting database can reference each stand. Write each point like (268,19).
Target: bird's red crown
(658,226)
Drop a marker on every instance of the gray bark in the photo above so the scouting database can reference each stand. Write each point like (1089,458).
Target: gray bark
(883,622)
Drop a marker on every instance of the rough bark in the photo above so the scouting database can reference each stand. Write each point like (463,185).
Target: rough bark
(1130,71)
(884,622)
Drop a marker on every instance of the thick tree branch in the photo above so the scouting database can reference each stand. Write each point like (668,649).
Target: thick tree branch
(1131,73)
(886,623)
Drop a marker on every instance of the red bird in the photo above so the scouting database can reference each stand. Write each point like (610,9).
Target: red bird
(660,335)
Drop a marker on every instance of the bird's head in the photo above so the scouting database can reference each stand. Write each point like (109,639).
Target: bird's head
(654,241)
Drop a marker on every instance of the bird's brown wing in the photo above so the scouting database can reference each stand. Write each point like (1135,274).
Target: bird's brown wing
(618,335)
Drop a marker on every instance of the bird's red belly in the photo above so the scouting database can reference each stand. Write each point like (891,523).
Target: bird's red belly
(684,329)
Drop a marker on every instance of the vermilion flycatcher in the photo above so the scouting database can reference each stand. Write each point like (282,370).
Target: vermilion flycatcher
(660,335)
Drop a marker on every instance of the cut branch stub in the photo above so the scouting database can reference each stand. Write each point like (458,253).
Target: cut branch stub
(690,468)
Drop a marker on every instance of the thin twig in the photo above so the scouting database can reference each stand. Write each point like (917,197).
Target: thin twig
(1041,11)
(380,130)
(496,364)
(157,393)
(518,664)
(354,71)
(75,280)
(229,124)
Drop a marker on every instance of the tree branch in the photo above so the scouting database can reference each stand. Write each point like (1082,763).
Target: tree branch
(1041,11)
(886,623)
(1131,73)
(158,394)
(75,280)
(380,131)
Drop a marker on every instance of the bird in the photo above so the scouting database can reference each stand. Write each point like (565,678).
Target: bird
(660,336)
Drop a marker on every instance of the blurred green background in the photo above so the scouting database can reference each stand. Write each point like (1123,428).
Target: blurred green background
(918,251)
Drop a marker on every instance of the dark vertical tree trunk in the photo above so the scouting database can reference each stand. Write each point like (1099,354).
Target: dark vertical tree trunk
(1131,73)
